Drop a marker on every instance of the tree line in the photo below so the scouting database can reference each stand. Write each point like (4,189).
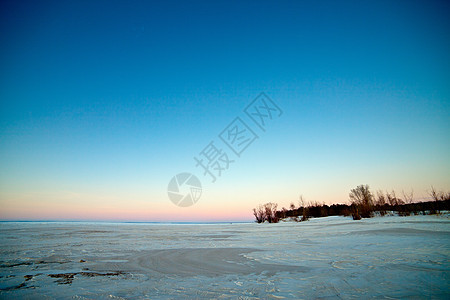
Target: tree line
(362,204)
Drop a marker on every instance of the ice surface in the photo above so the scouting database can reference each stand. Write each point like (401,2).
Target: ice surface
(334,257)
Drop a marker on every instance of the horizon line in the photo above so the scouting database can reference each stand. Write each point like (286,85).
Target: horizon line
(124,222)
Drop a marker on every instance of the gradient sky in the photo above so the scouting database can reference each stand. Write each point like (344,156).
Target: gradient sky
(102,102)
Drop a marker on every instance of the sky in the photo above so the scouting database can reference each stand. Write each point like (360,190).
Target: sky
(102,103)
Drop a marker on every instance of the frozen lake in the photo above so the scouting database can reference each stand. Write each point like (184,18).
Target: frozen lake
(334,257)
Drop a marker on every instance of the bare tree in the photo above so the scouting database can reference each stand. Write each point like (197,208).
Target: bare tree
(445,196)
(434,194)
(283,213)
(266,212)
(439,195)
(304,207)
(361,195)
(259,214)
(362,198)
(270,210)
(381,199)
(391,199)
(408,197)
(381,202)
(301,201)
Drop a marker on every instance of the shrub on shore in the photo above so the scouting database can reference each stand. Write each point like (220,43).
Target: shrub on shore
(259,214)
(362,200)
(267,212)
(363,204)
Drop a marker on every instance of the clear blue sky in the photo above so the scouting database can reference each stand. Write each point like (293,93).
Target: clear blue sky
(102,102)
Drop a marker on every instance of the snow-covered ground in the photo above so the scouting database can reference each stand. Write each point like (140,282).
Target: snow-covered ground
(334,257)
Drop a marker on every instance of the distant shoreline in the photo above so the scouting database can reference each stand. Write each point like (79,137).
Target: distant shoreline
(128,222)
